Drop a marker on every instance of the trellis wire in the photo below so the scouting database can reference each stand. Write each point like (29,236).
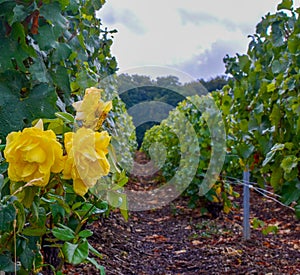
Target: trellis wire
(261,191)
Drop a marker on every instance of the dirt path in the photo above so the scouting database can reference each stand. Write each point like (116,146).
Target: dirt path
(178,240)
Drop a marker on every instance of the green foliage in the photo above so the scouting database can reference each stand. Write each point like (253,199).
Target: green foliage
(122,129)
(182,151)
(264,118)
(56,217)
(53,50)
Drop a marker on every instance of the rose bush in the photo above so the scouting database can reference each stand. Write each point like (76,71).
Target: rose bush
(45,198)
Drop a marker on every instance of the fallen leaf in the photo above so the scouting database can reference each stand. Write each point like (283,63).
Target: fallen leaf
(180,251)
(156,238)
(196,242)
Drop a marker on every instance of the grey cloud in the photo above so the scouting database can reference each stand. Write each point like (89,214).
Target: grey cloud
(201,18)
(246,29)
(210,63)
(196,17)
(125,17)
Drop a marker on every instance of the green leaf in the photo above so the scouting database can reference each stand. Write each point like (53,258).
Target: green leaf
(244,126)
(99,267)
(288,163)
(293,45)
(77,205)
(32,231)
(6,264)
(244,63)
(97,4)
(245,150)
(124,207)
(226,104)
(61,76)
(19,14)
(270,155)
(291,192)
(275,115)
(52,13)
(75,253)
(63,234)
(94,251)
(119,180)
(62,52)
(57,126)
(276,178)
(114,199)
(285,5)
(276,67)
(27,195)
(278,40)
(66,117)
(271,87)
(26,258)
(7,216)
(3,167)
(257,223)
(2,1)
(61,201)
(85,233)
(47,38)
(1,182)
(102,206)
(297,210)
(40,102)
(13,51)
(38,71)
(58,212)
(39,216)
(270,229)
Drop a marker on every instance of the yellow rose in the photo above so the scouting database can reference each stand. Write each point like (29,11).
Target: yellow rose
(92,111)
(33,154)
(86,158)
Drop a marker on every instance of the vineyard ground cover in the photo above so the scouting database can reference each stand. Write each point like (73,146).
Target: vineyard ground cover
(179,240)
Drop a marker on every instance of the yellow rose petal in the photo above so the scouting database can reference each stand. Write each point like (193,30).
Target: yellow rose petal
(28,169)
(37,154)
(79,187)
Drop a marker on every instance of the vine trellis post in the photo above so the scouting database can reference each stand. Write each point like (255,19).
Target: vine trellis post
(246,205)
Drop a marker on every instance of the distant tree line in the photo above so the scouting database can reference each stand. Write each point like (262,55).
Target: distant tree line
(136,89)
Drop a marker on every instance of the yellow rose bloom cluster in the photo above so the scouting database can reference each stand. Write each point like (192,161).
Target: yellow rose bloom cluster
(33,154)
(86,158)
(92,111)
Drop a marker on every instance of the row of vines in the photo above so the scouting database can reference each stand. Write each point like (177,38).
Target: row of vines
(261,111)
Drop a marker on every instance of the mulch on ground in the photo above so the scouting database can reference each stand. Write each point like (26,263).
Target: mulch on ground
(178,240)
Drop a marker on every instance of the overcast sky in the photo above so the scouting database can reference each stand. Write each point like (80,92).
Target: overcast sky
(192,36)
